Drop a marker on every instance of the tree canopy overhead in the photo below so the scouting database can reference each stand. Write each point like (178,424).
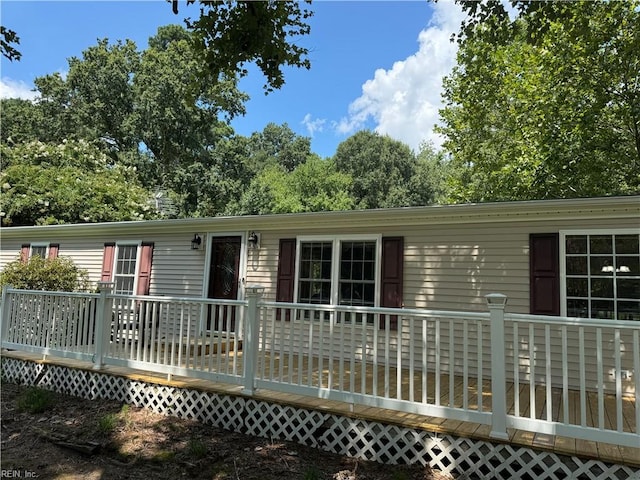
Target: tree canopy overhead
(8,41)
(228,34)
(546,105)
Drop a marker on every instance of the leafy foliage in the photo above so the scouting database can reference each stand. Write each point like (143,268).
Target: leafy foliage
(21,121)
(546,106)
(9,38)
(312,186)
(229,34)
(58,274)
(384,172)
(73,182)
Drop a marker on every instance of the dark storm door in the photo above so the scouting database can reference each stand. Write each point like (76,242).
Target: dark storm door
(224,272)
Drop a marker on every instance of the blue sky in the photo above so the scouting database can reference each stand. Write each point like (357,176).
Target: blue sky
(375,65)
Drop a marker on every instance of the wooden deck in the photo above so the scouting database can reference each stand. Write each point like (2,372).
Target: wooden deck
(290,368)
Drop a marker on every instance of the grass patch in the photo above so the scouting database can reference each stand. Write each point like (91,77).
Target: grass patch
(108,423)
(35,400)
(311,473)
(163,456)
(197,448)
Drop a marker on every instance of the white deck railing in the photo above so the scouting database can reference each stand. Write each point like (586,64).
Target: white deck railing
(572,377)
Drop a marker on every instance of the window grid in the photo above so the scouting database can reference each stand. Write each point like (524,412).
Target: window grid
(338,271)
(125,269)
(357,273)
(40,250)
(314,284)
(603,276)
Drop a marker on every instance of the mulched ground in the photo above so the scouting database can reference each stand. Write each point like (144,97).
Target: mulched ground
(72,438)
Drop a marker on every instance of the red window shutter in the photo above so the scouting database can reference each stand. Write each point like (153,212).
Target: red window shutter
(54,248)
(544,271)
(286,272)
(392,277)
(24,252)
(107,262)
(144,270)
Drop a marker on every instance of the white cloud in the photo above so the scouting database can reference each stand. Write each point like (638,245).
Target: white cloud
(313,125)
(404,100)
(16,89)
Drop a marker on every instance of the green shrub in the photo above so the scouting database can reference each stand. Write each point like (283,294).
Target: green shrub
(35,400)
(52,274)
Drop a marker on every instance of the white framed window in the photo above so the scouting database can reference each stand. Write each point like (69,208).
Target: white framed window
(125,268)
(338,270)
(40,249)
(600,274)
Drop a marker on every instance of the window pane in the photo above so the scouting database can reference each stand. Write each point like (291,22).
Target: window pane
(628,288)
(314,284)
(602,287)
(124,285)
(577,266)
(600,244)
(576,244)
(627,265)
(602,309)
(578,308)
(577,287)
(40,251)
(126,263)
(601,265)
(627,244)
(629,310)
(357,277)
(369,271)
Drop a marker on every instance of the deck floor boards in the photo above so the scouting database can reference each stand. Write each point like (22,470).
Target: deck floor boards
(305,371)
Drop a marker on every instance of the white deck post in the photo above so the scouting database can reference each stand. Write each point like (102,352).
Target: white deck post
(251,340)
(102,323)
(4,313)
(496,303)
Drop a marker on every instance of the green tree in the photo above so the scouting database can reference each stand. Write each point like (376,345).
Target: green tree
(228,34)
(547,105)
(21,121)
(312,186)
(278,145)
(383,170)
(428,184)
(101,93)
(73,182)
(177,106)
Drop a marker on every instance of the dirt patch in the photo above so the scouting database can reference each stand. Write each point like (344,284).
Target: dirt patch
(52,436)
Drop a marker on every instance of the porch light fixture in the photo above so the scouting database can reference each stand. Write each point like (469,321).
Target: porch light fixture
(254,240)
(196,242)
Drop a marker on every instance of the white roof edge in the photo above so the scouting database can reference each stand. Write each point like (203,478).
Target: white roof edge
(598,207)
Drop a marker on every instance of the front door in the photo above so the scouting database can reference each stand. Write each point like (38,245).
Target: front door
(224,272)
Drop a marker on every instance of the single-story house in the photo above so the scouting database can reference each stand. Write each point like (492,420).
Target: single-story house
(576,257)
(563,360)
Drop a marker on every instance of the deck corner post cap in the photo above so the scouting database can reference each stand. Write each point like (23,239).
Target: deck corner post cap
(496,299)
(255,289)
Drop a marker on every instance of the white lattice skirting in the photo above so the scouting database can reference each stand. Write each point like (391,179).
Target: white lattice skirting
(463,457)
